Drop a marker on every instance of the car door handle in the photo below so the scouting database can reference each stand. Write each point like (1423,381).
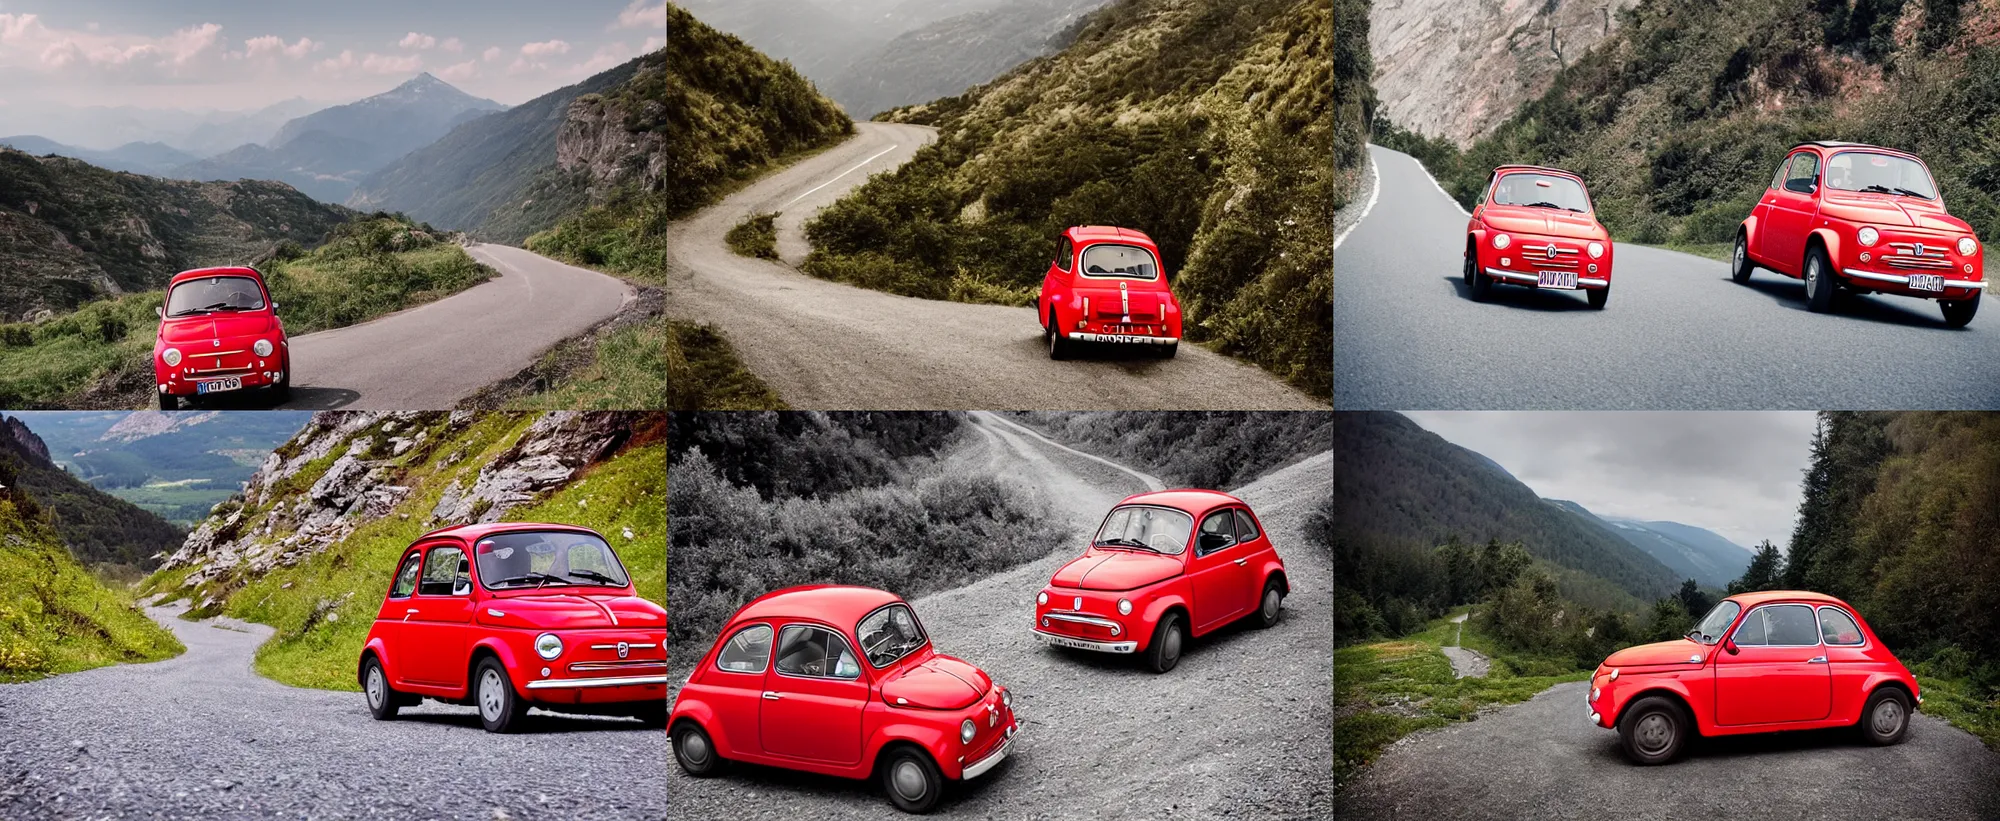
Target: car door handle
(1816,660)
(408,613)
(770,696)
(1242,560)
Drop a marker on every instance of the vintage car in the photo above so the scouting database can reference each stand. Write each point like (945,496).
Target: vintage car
(219,333)
(1534,226)
(841,681)
(506,617)
(1758,662)
(1107,285)
(1861,219)
(1151,579)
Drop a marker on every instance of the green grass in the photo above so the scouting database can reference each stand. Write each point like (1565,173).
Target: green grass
(666,364)
(1958,701)
(55,617)
(756,236)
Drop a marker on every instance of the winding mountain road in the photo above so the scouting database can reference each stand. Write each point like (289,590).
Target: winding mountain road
(826,345)
(201,736)
(1677,333)
(1238,729)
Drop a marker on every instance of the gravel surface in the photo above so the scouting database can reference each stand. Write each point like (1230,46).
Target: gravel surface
(824,345)
(434,355)
(1237,730)
(1464,663)
(1676,334)
(201,736)
(1543,759)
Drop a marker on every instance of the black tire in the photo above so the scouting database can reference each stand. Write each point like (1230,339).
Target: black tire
(281,392)
(1958,312)
(500,708)
(1819,277)
(1482,285)
(1471,263)
(912,780)
(1885,719)
(1653,730)
(1169,639)
(383,700)
(1060,348)
(696,751)
(1740,265)
(1166,351)
(1597,296)
(169,402)
(1270,606)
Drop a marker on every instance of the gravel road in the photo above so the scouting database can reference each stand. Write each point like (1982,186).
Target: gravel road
(1237,730)
(1464,663)
(431,356)
(1542,759)
(825,345)
(1677,334)
(201,736)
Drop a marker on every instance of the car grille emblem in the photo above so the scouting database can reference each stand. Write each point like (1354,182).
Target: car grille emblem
(1551,250)
(1919,249)
(218,343)
(1077,603)
(624,649)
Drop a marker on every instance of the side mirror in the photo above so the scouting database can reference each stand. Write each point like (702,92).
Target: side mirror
(1729,646)
(160,312)
(274,306)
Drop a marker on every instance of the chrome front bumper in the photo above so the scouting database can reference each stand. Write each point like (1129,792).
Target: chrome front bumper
(1531,279)
(1086,644)
(590,683)
(992,759)
(1124,339)
(1903,280)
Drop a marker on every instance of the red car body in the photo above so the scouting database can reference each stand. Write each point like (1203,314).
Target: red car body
(782,688)
(219,333)
(457,627)
(1107,285)
(1556,244)
(1865,219)
(1776,660)
(1179,580)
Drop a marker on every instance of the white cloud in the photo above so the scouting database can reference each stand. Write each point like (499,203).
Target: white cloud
(452,44)
(459,72)
(545,48)
(272,46)
(640,15)
(492,54)
(391,64)
(606,57)
(417,41)
(653,44)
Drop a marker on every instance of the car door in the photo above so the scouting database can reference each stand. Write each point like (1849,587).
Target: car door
(813,698)
(1056,284)
(1256,549)
(1214,575)
(439,623)
(1782,237)
(737,682)
(389,620)
(1779,672)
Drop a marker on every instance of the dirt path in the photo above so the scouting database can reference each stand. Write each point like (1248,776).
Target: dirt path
(1464,663)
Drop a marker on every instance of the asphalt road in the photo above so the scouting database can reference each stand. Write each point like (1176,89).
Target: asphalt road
(1677,333)
(825,345)
(1236,730)
(431,356)
(1542,759)
(201,736)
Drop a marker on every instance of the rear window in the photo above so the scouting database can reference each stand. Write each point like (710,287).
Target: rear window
(1779,625)
(1128,261)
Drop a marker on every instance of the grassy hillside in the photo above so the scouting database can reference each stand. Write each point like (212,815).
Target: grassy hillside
(1354,98)
(98,528)
(177,466)
(1211,449)
(1204,123)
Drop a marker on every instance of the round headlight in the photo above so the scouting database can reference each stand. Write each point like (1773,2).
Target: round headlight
(1966,247)
(1596,249)
(1594,693)
(1124,607)
(1042,597)
(1501,241)
(1867,237)
(1007,698)
(548,646)
(965,731)
(262,347)
(171,356)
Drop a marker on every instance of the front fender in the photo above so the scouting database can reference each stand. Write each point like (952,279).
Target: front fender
(381,650)
(937,741)
(1156,607)
(1630,688)
(511,658)
(696,709)
(1748,229)
(1831,240)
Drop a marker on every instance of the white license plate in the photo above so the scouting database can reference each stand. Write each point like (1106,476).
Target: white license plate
(233,383)
(1073,644)
(1926,282)
(1558,279)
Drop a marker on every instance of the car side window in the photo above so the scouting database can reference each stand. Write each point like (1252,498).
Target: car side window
(1246,529)
(1804,173)
(406,577)
(1485,191)
(749,651)
(1838,629)
(1065,253)
(815,652)
(446,573)
(1778,179)
(1779,625)
(1218,531)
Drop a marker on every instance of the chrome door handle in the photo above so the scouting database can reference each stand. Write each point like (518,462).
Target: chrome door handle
(770,696)
(1816,660)
(1242,560)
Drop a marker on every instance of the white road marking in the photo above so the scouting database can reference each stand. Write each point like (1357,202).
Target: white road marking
(857,167)
(1434,184)
(1374,193)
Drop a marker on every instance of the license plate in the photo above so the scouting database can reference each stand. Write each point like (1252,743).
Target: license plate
(233,383)
(1926,282)
(1558,279)
(1074,644)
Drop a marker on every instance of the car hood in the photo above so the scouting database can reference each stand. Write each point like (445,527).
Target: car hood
(1659,654)
(1541,222)
(937,683)
(218,327)
(1890,210)
(573,611)
(1116,570)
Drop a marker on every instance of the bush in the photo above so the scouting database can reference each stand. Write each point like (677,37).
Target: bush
(756,236)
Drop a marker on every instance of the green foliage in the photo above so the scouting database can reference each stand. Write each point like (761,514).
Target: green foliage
(813,453)
(666,364)
(1354,96)
(756,236)
(98,528)
(1211,449)
(55,617)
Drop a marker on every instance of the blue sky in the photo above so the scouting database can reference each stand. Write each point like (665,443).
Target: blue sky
(234,54)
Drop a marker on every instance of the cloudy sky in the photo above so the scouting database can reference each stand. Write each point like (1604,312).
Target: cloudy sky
(243,54)
(1736,473)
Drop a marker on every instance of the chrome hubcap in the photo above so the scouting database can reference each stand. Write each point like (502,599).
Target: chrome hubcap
(694,749)
(1888,716)
(490,696)
(1270,604)
(1654,733)
(908,779)
(1812,275)
(374,686)
(1173,646)
(1739,255)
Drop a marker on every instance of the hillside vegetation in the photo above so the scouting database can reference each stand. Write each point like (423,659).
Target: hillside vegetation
(1209,449)
(176,465)
(98,528)
(1204,123)
(1353,97)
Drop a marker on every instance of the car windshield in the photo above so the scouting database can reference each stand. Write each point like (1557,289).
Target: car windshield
(889,634)
(1709,631)
(1880,174)
(1128,261)
(1541,191)
(219,293)
(549,558)
(1144,527)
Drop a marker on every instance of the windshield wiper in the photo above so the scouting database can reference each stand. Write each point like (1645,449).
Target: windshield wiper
(1883,189)
(533,576)
(1128,543)
(597,577)
(1547,204)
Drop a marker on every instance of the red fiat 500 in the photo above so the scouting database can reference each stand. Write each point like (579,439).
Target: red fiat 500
(1852,217)
(219,333)
(1106,285)
(1758,662)
(1534,227)
(841,681)
(1150,578)
(510,616)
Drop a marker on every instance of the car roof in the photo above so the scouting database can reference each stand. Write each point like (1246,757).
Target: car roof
(1832,144)
(1192,500)
(198,273)
(479,530)
(1095,233)
(1541,168)
(838,604)
(1749,600)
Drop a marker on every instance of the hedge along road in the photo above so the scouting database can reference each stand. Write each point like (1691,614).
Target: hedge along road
(1676,334)
(202,736)
(827,345)
(1237,729)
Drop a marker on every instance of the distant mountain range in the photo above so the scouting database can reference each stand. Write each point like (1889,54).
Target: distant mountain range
(946,57)
(97,527)
(152,158)
(198,132)
(1692,552)
(177,465)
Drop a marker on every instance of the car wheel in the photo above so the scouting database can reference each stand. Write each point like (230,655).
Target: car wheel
(1740,265)
(1958,312)
(383,700)
(169,402)
(282,391)
(1165,650)
(1886,717)
(1653,730)
(500,708)
(1059,347)
(912,780)
(695,752)
(1271,606)
(1482,285)
(1598,296)
(1166,351)
(1819,281)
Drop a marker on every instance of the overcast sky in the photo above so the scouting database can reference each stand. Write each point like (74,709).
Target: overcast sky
(244,54)
(1736,473)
